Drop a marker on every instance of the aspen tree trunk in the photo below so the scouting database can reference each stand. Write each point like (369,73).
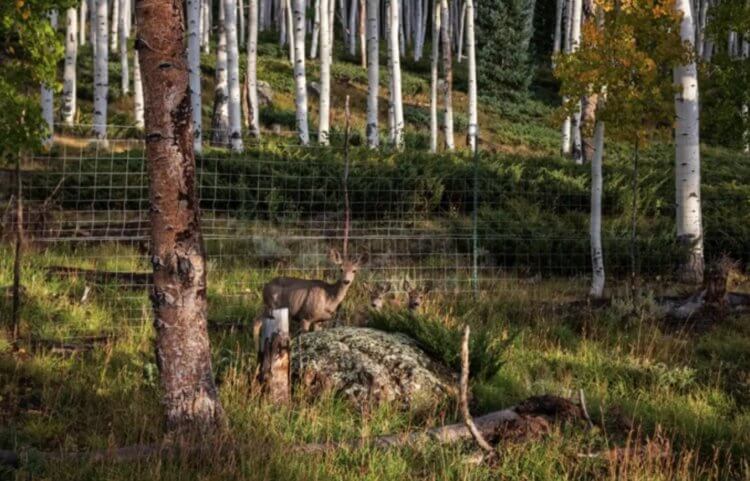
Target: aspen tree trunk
(300,80)
(398,106)
(101,73)
(687,157)
(93,26)
(84,11)
(352,30)
(460,48)
(137,92)
(324,110)
(702,17)
(241,17)
(283,25)
(124,69)
(373,73)
(577,148)
(47,96)
(401,33)
(220,120)
(434,77)
(362,34)
(448,71)
(597,253)
(68,109)
(127,16)
(389,62)
(178,295)
(418,37)
(472,77)
(566,127)
(252,67)
(590,100)
(114,33)
(233,70)
(557,43)
(290,31)
(316,31)
(194,70)
(206,26)
(423,28)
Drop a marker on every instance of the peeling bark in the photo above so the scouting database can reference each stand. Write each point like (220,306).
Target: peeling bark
(178,295)
(373,73)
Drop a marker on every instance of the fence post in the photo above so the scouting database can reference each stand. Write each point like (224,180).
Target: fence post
(475,233)
(274,357)
(18,253)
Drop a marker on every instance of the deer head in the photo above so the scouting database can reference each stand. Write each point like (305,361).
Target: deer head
(377,293)
(348,268)
(415,295)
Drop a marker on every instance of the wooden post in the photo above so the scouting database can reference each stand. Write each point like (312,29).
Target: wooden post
(274,357)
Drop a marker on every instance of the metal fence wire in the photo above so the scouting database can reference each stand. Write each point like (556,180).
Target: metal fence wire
(453,223)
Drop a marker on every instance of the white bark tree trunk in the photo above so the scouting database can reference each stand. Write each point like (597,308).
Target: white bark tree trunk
(68,108)
(300,79)
(460,48)
(93,25)
(687,156)
(84,11)
(220,120)
(393,46)
(123,32)
(101,73)
(352,30)
(316,31)
(362,34)
(418,37)
(206,26)
(472,77)
(114,34)
(194,70)
(241,17)
(565,137)
(137,91)
(557,43)
(446,35)
(434,77)
(373,73)
(597,252)
(324,109)
(233,68)
(252,67)
(290,31)
(47,96)
(575,39)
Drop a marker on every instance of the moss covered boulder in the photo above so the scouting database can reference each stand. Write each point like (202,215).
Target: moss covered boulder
(369,366)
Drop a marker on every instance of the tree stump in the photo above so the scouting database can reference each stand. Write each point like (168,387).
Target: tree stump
(274,357)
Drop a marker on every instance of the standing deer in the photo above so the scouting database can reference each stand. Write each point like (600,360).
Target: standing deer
(310,301)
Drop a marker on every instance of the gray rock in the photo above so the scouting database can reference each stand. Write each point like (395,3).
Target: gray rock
(369,366)
(265,93)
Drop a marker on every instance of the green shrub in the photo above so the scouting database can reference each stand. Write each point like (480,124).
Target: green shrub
(443,342)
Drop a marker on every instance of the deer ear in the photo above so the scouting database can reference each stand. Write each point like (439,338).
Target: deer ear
(387,287)
(335,257)
(407,285)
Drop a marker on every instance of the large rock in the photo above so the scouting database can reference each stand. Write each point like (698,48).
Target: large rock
(369,366)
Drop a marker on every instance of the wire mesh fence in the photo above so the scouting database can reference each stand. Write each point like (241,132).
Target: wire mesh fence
(455,223)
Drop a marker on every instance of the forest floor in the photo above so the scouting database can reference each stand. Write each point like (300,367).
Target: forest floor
(669,401)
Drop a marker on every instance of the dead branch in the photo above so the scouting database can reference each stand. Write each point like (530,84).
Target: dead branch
(584,410)
(452,433)
(464,395)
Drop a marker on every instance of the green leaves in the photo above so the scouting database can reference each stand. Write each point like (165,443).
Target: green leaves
(30,50)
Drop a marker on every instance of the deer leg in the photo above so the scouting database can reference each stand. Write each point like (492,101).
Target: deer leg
(318,326)
(306,325)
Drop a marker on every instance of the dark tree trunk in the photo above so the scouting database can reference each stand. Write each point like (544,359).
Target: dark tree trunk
(178,295)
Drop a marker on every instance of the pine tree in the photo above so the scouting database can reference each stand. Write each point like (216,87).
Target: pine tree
(503,33)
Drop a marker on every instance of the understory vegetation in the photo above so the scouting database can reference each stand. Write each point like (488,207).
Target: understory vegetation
(84,376)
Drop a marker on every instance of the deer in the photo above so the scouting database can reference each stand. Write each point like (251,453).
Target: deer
(415,296)
(310,301)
